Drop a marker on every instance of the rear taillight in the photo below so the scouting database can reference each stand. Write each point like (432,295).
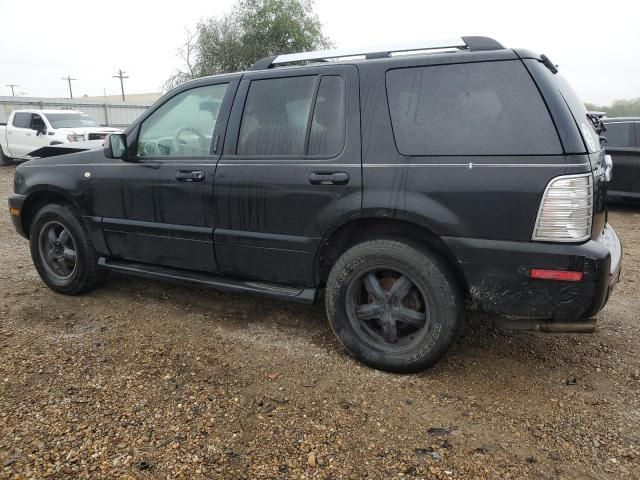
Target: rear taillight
(566,210)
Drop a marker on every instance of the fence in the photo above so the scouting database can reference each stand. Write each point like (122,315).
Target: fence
(105,113)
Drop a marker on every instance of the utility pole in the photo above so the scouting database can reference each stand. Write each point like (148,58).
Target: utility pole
(69,79)
(12,86)
(121,75)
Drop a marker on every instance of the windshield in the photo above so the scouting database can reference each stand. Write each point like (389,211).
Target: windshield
(71,120)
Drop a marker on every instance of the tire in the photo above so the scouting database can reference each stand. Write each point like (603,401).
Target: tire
(4,160)
(51,251)
(404,317)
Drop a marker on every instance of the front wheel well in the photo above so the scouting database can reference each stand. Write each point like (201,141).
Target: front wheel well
(34,203)
(360,230)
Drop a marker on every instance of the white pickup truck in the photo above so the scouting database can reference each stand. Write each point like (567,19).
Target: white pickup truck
(30,130)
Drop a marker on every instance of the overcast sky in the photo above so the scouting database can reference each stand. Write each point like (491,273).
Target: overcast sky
(596,44)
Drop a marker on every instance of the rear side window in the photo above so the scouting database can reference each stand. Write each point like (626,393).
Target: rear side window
(22,120)
(490,108)
(328,126)
(619,135)
(294,116)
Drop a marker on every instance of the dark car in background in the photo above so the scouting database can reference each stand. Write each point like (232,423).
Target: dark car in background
(623,144)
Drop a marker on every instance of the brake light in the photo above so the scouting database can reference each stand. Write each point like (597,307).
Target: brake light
(566,210)
(562,275)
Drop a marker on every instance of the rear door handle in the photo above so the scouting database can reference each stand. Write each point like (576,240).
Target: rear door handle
(329,178)
(190,175)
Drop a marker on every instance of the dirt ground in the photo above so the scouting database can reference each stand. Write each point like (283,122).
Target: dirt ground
(143,379)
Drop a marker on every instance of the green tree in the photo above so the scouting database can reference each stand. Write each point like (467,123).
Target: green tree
(618,108)
(254,29)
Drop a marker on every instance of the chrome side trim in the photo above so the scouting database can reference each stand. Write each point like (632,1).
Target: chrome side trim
(409,165)
(473,165)
(609,168)
(322,165)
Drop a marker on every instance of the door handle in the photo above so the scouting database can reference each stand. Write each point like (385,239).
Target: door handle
(329,178)
(190,175)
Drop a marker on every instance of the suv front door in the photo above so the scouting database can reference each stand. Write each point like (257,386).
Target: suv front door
(38,139)
(157,208)
(289,172)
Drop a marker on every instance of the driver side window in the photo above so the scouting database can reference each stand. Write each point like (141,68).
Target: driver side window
(37,123)
(183,126)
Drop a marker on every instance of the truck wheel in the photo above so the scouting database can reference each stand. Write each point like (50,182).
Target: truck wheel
(393,306)
(62,251)
(4,160)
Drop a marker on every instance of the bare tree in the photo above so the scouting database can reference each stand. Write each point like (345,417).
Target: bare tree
(187,53)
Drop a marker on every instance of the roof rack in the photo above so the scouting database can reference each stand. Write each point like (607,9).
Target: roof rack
(473,44)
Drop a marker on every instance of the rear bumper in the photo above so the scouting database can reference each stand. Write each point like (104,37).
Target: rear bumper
(497,274)
(15,210)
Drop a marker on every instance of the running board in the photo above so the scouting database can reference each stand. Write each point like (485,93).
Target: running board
(225,284)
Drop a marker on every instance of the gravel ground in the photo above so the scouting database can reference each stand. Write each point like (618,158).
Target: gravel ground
(140,379)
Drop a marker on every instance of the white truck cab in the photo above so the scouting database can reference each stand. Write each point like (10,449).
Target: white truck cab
(29,130)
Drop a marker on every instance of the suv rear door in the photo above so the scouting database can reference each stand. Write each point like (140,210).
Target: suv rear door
(290,170)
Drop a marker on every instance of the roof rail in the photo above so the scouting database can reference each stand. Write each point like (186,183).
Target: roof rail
(473,44)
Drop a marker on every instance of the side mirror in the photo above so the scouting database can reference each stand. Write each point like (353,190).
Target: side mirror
(40,130)
(115,146)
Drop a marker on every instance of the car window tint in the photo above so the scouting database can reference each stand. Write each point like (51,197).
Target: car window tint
(327,133)
(21,120)
(488,108)
(275,116)
(618,135)
(183,126)
(36,121)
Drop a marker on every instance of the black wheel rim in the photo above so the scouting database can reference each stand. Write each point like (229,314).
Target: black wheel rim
(58,250)
(387,309)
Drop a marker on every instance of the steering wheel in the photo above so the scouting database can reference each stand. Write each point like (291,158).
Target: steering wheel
(182,144)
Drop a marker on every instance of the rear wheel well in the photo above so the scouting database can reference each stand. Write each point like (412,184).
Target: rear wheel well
(35,202)
(358,231)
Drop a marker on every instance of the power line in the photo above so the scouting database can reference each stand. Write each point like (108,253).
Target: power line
(69,79)
(121,75)
(12,86)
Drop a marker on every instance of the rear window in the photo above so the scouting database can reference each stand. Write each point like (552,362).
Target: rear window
(489,108)
(619,134)
(22,120)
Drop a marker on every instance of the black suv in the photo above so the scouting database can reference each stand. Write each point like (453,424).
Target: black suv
(623,144)
(403,187)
